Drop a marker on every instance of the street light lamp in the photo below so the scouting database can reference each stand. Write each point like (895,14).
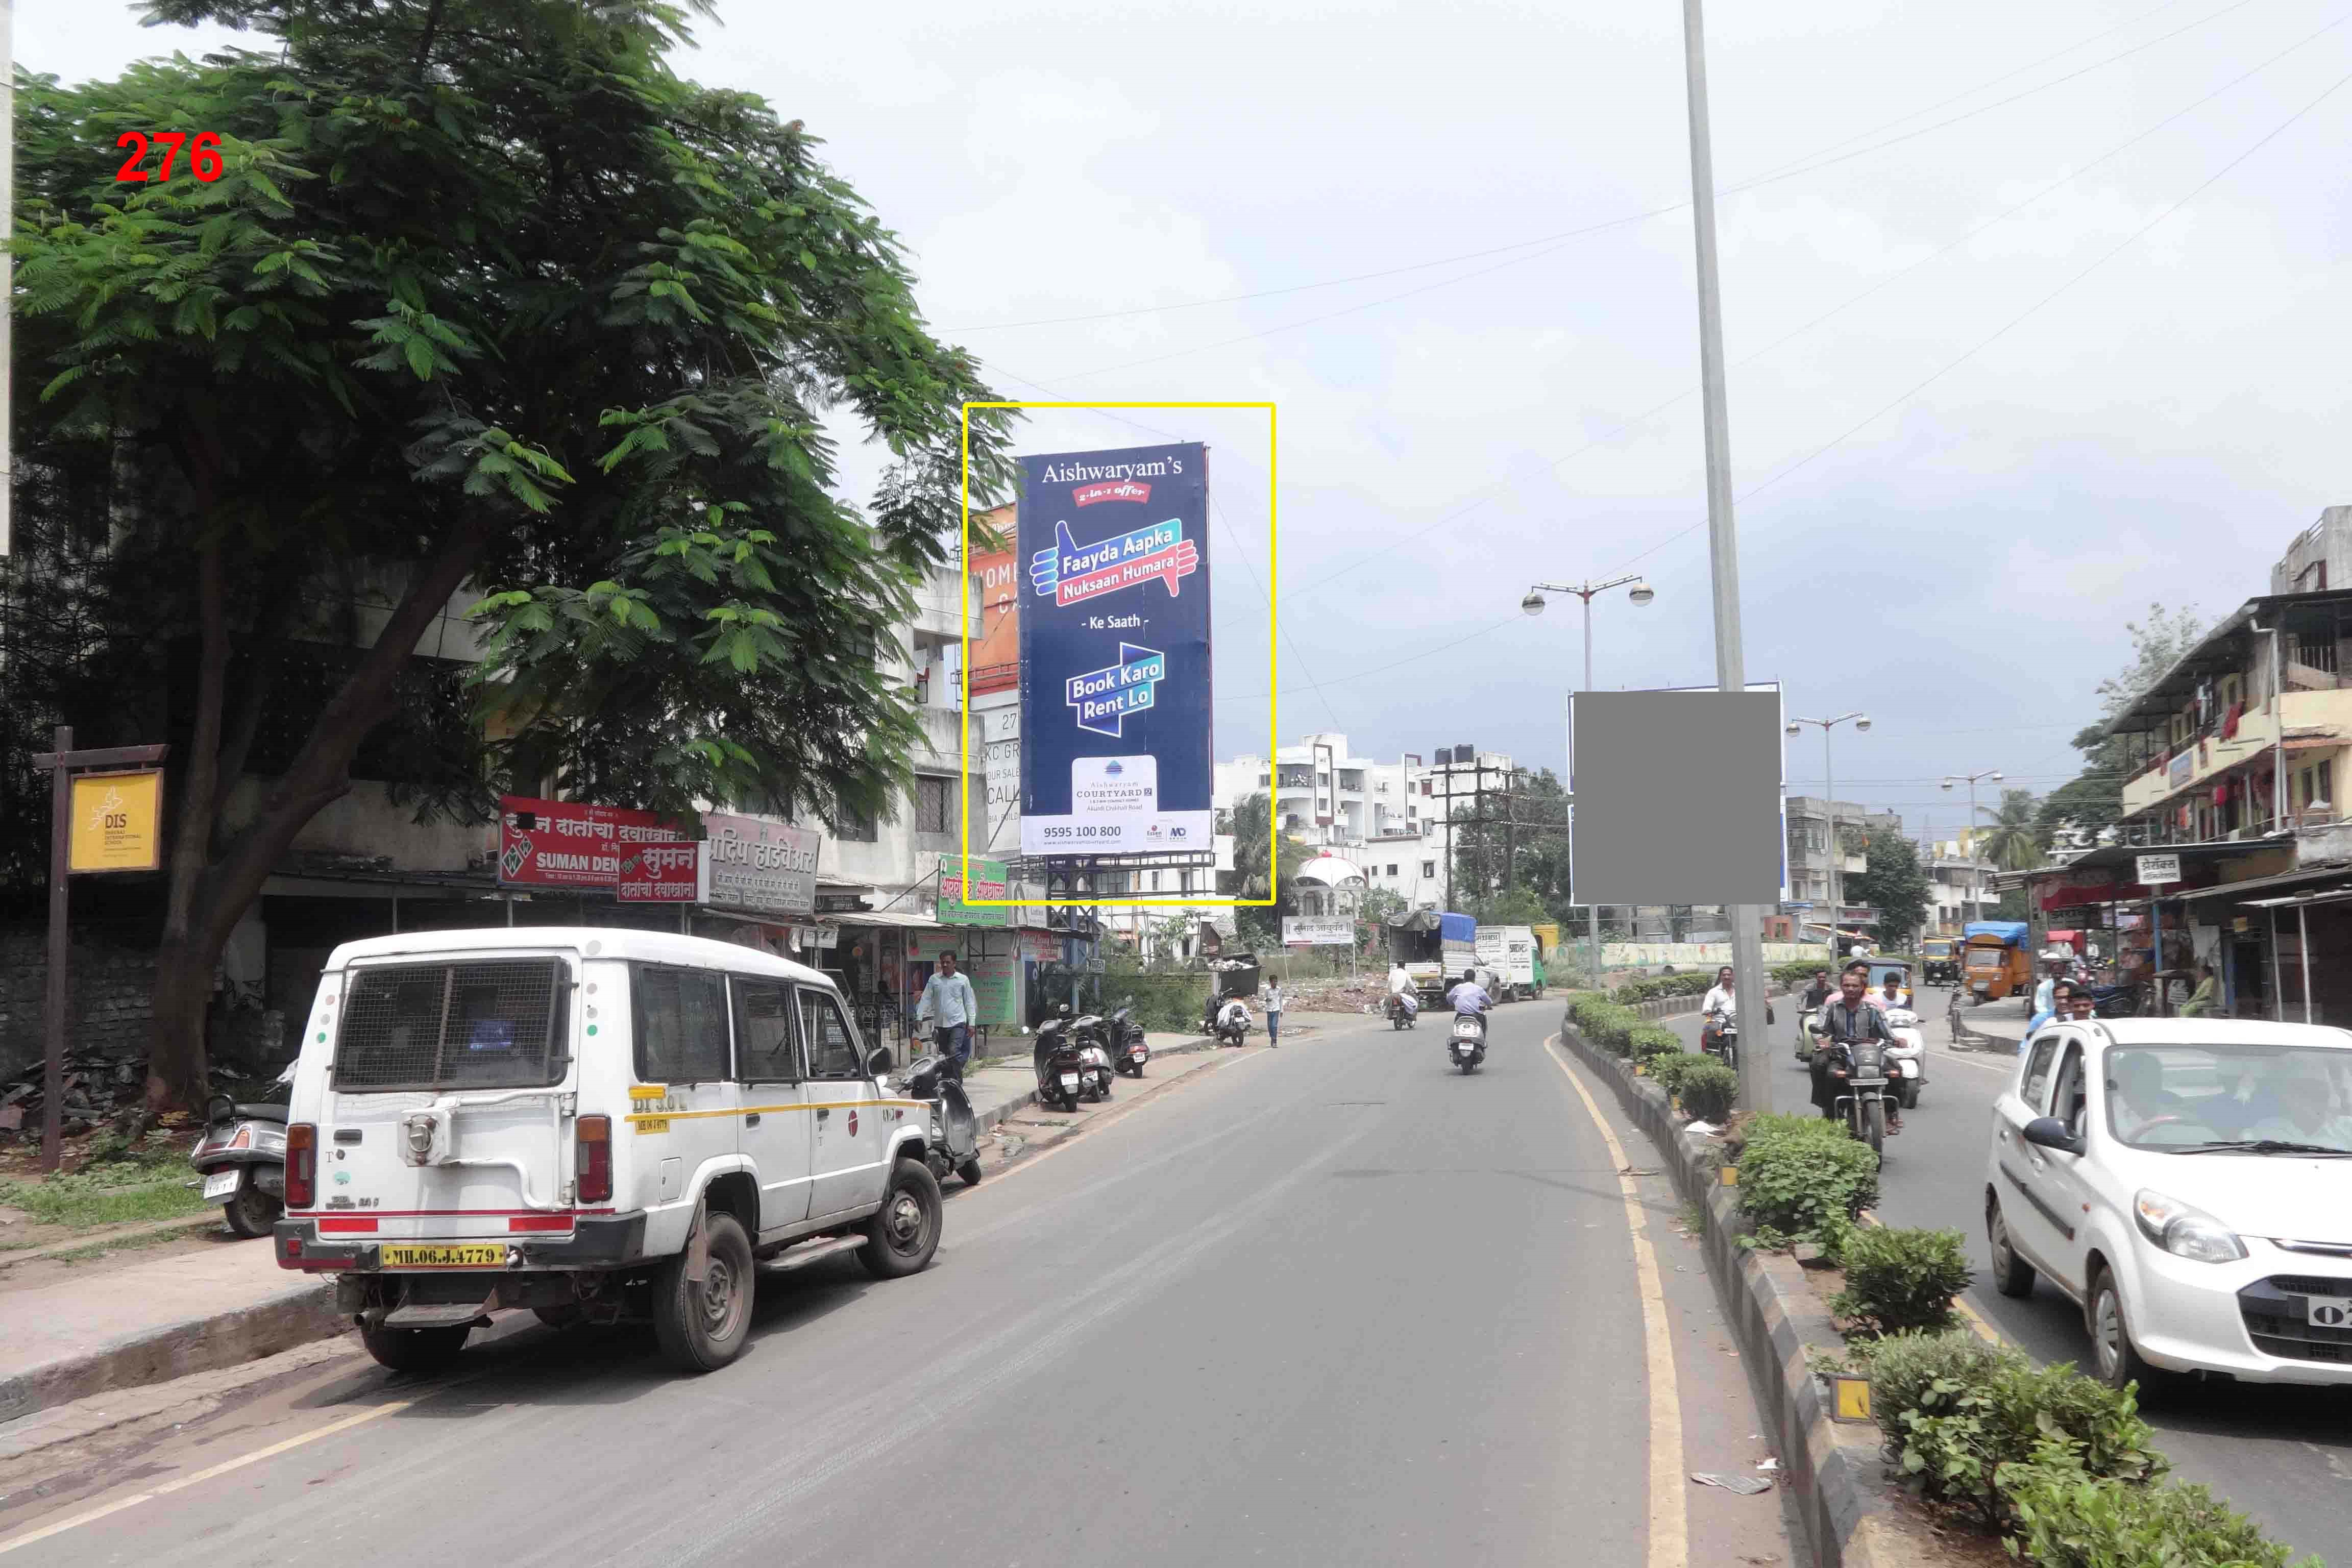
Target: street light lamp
(1976,874)
(1829,783)
(1641,594)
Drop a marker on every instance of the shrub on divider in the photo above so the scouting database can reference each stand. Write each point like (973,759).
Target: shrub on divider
(1899,1280)
(2062,1518)
(1709,1090)
(1798,1185)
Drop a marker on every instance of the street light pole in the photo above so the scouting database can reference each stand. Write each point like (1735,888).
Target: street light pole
(1641,593)
(1976,874)
(1829,781)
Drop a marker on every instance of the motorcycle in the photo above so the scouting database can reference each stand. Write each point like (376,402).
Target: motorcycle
(1061,1067)
(1720,1037)
(241,1155)
(1906,1059)
(1128,1051)
(1402,1014)
(1466,1044)
(1863,1103)
(954,1141)
(1232,1026)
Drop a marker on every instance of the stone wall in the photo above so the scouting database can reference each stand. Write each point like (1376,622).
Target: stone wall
(111,972)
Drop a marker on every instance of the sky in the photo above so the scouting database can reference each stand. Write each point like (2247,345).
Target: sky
(2035,315)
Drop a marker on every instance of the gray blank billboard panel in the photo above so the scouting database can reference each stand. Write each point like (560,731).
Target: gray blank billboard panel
(1677,797)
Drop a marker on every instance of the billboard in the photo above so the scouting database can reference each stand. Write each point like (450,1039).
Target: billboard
(569,844)
(1677,797)
(1114,638)
(659,874)
(988,881)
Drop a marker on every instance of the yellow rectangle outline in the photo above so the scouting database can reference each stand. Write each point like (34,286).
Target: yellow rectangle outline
(1273,661)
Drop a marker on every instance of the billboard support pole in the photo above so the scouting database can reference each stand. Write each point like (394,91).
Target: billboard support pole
(1723,538)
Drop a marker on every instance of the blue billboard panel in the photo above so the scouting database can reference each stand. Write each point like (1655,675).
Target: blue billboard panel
(1114,696)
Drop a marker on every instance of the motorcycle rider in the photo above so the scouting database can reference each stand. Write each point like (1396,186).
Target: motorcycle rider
(1235,1015)
(1470,1000)
(1720,998)
(1893,995)
(1402,990)
(1818,994)
(1851,1017)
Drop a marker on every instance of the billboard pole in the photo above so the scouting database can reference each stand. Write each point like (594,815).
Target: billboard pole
(1723,540)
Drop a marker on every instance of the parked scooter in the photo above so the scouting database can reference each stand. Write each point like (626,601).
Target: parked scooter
(1061,1070)
(242,1155)
(1092,1033)
(954,1141)
(1466,1044)
(1720,1037)
(1906,1059)
(1401,1012)
(1233,1023)
(1129,1052)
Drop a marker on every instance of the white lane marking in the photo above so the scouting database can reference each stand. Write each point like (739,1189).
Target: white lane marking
(93,1515)
(1669,1525)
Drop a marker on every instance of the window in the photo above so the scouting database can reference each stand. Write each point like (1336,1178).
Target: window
(2037,1072)
(1425,787)
(832,1046)
(934,805)
(452,1026)
(2066,1098)
(765,1050)
(681,1025)
(1429,868)
(1391,869)
(852,826)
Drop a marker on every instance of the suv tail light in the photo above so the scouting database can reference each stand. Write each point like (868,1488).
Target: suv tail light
(593,1162)
(301,1166)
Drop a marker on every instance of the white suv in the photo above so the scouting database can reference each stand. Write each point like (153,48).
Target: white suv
(2188,1181)
(591,1123)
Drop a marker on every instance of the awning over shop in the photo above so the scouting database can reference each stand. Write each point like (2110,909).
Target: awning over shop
(882,918)
(2246,890)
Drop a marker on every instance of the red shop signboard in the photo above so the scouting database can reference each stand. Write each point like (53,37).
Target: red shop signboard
(567,844)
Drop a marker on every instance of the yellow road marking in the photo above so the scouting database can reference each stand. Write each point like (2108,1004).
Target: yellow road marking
(135,1498)
(1669,1523)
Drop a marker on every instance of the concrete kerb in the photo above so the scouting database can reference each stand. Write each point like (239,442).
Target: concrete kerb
(1832,1471)
(988,1118)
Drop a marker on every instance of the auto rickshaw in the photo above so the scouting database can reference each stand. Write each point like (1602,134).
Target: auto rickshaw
(1994,962)
(1939,961)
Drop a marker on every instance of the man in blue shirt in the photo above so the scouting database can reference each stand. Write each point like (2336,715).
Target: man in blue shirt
(951,1007)
(1470,999)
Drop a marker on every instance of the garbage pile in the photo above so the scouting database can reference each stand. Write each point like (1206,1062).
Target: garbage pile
(98,1088)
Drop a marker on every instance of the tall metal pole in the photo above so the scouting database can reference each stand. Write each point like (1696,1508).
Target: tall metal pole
(1976,903)
(1592,910)
(1837,845)
(52,1071)
(1723,538)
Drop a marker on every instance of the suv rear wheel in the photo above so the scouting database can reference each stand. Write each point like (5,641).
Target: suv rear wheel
(701,1324)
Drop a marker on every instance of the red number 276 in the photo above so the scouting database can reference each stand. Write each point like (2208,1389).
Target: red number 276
(204,154)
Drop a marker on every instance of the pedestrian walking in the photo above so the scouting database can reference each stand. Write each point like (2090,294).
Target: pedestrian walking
(950,1006)
(1274,1012)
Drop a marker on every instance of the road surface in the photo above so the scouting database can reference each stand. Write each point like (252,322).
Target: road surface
(2281,1455)
(1330,1303)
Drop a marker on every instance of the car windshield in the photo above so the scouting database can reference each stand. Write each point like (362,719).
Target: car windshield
(1879,973)
(2221,1099)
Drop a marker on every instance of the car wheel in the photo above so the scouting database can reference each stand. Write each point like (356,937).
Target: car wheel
(2119,1363)
(905,1231)
(252,1212)
(413,1350)
(2012,1275)
(702,1324)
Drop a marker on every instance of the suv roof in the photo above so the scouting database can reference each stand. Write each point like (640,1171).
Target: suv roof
(594,941)
(2220,1031)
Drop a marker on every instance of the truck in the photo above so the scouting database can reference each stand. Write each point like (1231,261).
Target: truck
(1994,962)
(1434,946)
(1510,952)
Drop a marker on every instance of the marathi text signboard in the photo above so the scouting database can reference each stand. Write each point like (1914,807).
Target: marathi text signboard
(567,844)
(988,881)
(117,822)
(753,864)
(1319,931)
(1115,630)
(659,874)
(2154,869)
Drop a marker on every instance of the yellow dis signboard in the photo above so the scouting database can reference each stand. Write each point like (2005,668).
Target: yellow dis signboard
(117,822)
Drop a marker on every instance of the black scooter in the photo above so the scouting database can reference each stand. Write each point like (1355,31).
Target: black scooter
(1061,1068)
(1128,1051)
(954,1141)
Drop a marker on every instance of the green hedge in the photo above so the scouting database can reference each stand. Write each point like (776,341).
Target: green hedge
(1899,1280)
(2065,1519)
(1694,983)
(1706,1088)
(1603,1024)
(1802,1179)
(1646,1041)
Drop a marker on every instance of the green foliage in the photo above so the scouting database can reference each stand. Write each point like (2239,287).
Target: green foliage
(1899,1280)
(1510,865)
(1902,1367)
(1646,1042)
(2093,800)
(1798,974)
(107,1194)
(1893,883)
(1706,1087)
(2062,1518)
(1251,824)
(1604,1024)
(1694,983)
(2013,838)
(1802,1179)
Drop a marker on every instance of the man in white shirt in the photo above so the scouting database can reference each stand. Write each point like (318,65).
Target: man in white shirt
(1720,995)
(1402,987)
(951,1008)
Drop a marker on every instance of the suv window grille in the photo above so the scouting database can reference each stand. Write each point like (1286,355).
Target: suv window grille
(492,1024)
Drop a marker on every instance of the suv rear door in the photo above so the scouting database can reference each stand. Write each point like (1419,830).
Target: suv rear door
(850,1133)
(779,1135)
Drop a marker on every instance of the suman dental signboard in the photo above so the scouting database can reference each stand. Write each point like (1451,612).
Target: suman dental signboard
(1115,638)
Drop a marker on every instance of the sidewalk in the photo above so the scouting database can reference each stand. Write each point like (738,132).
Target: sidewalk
(168,1316)
(2003,1021)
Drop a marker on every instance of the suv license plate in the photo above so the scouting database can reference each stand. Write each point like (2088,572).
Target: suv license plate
(221,1184)
(483,1256)
(2328,1312)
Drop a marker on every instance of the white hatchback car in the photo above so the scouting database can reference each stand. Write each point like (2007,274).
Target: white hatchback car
(2188,1181)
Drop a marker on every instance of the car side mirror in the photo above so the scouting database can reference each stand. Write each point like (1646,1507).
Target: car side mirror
(878,1062)
(2051,1133)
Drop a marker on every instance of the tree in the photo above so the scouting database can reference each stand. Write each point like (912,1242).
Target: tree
(2093,800)
(1518,839)
(422,322)
(1250,822)
(1893,883)
(1374,911)
(2014,840)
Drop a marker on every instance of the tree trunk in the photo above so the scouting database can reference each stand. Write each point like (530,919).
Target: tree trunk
(208,899)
